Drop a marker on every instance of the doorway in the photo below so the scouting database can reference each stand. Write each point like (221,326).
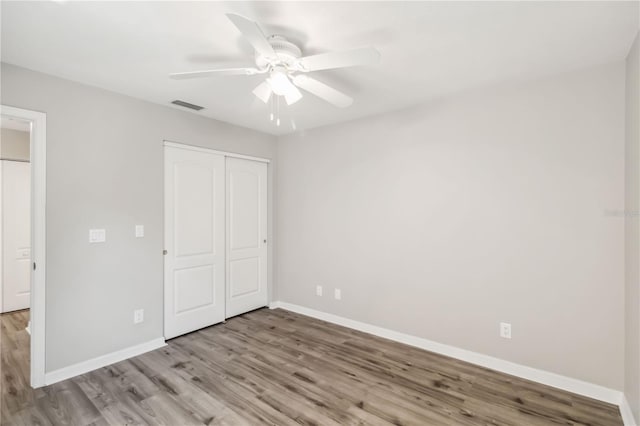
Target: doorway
(15,215)
(22,242)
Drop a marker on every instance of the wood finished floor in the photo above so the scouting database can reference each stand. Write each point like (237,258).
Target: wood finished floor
(276,367)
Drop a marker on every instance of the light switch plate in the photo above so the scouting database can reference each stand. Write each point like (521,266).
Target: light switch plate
(139,231)
(97,235)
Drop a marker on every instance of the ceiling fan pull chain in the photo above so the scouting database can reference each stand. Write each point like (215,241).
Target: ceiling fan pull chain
(271,109)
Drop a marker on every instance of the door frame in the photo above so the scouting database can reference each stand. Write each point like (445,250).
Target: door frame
(168,143)
(38,157)
(213,151)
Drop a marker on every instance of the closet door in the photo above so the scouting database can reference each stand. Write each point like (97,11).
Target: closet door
(194,263)
(246,236)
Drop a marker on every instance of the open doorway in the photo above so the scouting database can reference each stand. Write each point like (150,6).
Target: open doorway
(15,246)
(22,245)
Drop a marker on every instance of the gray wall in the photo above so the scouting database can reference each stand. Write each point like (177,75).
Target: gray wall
(104,170)
(440,221)
(14,145)
(496,205)
(632,234)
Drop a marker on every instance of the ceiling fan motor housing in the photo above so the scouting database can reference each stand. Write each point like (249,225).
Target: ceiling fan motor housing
(288,53)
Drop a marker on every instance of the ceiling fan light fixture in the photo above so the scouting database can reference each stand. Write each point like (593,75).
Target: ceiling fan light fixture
(263,92)
(284,62)
(279,81)
(292,97)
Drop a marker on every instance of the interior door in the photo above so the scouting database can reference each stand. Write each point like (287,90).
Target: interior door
(16,235)
(194,263)
(246,236)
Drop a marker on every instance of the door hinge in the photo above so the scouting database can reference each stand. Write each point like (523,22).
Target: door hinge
(164,252)
(34,266)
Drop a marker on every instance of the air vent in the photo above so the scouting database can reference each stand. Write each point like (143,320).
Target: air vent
(187,105)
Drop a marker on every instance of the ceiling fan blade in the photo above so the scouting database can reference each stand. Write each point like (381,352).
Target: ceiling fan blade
(252,32)
(349,58)
(322,91)
(263,92)
(211,73)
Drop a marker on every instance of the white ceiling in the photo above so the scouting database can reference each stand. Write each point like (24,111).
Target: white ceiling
(429,49)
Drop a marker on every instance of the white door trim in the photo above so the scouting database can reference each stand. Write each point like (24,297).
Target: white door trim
(1,237)
(213,151)
(38,235)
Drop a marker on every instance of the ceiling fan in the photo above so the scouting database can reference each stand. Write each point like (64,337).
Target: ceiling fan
(286,68)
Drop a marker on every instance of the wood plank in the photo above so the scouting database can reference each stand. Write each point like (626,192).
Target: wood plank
(280,368)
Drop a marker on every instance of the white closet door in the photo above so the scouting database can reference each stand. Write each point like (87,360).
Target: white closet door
(246,236)
(16,237)
(194,265)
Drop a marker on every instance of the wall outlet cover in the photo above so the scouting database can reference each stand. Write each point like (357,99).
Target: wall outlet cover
(505,330)
(138,316)
(337,294)
(318,290)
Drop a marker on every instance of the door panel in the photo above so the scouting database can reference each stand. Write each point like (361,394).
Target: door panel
(246,242)
(193,207)
(244,274)
(245,209)
(193,288)
(194,240)
(16,235)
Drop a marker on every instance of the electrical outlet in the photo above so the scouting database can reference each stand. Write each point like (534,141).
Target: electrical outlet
(139,231)
(505,330)
(138,316)
(337,294)
(318,290)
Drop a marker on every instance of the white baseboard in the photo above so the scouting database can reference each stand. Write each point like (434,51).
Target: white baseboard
(627,414)
(545,377)
(102,361)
